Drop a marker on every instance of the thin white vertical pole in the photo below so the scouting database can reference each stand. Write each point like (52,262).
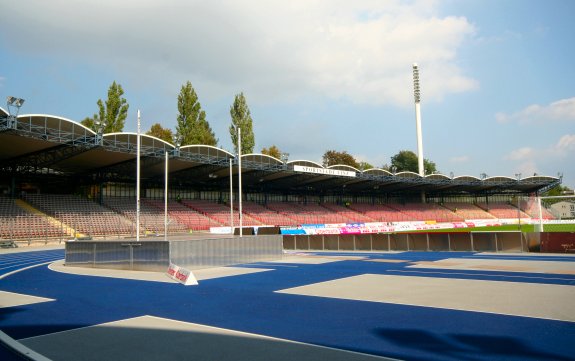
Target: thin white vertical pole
(540,211)
(417,95)
(138,183)
(240,178)
(166,200)
(231,199)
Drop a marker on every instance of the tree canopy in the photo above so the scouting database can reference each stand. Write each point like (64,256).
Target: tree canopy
(364,165)
(112,114)
(159,132)
(406,160)
(332,157)
(192,126)
(241,118)
(273,151)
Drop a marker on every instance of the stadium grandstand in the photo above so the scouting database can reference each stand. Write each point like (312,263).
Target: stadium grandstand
(60,179)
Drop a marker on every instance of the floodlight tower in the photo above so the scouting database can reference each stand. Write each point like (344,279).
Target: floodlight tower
(417,95)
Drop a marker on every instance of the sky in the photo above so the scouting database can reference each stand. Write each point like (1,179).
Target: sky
(497,94)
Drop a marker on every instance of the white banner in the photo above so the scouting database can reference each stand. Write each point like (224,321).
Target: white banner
(325,171)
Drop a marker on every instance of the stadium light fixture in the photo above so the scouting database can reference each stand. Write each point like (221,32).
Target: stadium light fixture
(177,138)
(518,176)
(100,126)
(13,102)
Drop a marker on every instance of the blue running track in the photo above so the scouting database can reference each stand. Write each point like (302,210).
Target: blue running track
(249,303)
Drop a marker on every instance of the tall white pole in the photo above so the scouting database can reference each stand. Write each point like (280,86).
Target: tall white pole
(231,199)
(166,199)
(138,183)
(240,178)
(417,95)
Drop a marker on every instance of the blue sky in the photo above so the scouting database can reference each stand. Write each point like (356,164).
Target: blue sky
(496,75)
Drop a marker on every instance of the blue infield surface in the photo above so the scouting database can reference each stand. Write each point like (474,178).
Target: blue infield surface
(408,306)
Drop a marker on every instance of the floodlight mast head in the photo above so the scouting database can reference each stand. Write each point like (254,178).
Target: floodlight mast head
(416,92)
(13,102)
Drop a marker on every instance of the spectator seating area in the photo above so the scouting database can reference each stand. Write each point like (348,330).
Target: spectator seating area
(381,213)
(531,208)
(17,223)
(45,215)
(427,212)
(468,211)
(83,216)
(151,218)
(301,213)
(265,215)
(347,213)
(219,213)
(180,213)
(503,210)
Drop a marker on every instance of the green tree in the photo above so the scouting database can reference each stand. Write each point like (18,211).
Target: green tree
(406,160)
(89,122)
(241,118)
(273,151)
(332,157)
(364,165)
(112,113)
(159,132)
(192,124)
(558,190)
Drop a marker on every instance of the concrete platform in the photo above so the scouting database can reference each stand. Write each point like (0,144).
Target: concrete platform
(149,338)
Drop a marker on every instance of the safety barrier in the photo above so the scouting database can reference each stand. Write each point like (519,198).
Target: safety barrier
(461,241)
(157,255)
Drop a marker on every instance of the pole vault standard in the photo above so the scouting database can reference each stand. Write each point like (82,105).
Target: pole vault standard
(138,183)
(240,179)
(417,96)
(231,199)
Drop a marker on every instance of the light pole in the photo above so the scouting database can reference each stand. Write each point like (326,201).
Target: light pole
(417,96)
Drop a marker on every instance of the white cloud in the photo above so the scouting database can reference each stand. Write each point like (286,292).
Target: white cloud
(521,154)
(361,51)
(527,168)
(565,145)
(555,157)
(561,110)
(459,159)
